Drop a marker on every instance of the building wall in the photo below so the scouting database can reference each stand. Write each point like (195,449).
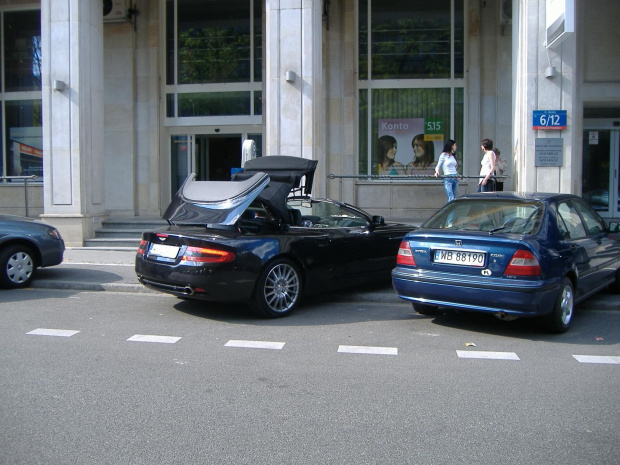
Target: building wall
(131,113)
(505,81)
(21,199)
(488,113)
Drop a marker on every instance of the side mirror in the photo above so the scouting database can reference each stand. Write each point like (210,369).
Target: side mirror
(377,220)
(614,227)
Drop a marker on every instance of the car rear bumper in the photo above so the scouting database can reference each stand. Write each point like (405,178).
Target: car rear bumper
(492,295)
(186,281)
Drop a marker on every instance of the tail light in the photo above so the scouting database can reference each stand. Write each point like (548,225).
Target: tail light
(523,263)
(207,255)
(404,256)
(142,247)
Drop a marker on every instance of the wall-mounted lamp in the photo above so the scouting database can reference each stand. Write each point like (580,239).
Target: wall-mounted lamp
(550,72)
(59,86)
(290,76)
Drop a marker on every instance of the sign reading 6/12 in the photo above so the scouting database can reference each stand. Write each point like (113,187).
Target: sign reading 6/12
(549,119)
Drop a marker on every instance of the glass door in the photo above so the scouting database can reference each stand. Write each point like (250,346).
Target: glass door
(213,157)
(601,165)
(181,149)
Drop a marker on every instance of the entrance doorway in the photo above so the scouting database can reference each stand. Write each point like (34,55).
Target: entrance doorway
(601,165)
(213,157)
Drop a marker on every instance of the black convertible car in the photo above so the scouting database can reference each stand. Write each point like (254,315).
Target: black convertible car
(261,239)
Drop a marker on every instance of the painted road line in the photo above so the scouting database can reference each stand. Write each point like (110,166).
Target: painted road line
(255,344)
(368,350)
(53,332)
(597,359)
(487,355)
(151,338)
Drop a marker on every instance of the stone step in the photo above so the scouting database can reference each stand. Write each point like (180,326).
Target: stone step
(145,224)
(113,242)
(123,232)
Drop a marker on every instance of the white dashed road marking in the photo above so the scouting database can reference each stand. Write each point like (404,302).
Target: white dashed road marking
(368,350)
(255,344)
(53,332)
(151,338)
(597,359)
(465,354)
(487,355)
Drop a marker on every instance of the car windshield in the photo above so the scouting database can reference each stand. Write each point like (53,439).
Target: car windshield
(491,216)
(321,214)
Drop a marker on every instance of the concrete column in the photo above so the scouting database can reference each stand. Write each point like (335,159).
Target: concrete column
(295,109)
(72,49)
(535,91)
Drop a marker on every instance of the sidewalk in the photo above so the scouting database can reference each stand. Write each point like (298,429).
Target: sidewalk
(105,269)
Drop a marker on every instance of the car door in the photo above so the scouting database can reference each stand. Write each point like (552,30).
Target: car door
(351,248)
(606,257)
(582,247)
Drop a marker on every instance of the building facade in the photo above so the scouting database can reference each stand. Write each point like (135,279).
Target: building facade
(111,108)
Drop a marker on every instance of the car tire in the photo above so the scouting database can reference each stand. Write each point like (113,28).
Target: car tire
(560,319)
(17,267)
(278,289)
(425,309)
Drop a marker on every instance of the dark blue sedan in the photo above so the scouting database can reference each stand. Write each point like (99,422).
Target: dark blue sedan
(509,254)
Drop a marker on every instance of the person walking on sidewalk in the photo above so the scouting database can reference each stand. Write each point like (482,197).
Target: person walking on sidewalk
(448,162)
(487,167)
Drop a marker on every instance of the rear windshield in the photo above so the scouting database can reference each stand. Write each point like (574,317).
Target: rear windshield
(507,216)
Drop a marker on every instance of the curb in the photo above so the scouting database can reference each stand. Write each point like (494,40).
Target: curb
(78,286)
(608,302)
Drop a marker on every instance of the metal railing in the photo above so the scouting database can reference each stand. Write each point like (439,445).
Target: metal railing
(402,177)
(25,179)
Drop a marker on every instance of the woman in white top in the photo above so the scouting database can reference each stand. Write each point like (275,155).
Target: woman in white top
(501,165)
(487,168)
(448,162)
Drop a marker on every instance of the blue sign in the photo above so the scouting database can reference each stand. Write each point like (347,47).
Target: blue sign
(549,119)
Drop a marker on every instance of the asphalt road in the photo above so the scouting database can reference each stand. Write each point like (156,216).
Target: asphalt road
(116,377)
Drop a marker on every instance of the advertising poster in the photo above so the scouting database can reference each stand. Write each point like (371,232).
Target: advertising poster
(27,151)
(418,141)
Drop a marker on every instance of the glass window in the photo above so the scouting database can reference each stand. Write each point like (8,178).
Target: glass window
(496,215)
(213,41)
(596,161)
(404,122)
(216,103)
(572,221)
(319,214)
(411,40)
(170,42)
(22,51)
(258,40)
(179,149)
(24,138)
(593,222)
(2,172)
(414,122)
(210,44)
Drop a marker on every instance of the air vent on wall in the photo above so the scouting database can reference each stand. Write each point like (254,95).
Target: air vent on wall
(115,11)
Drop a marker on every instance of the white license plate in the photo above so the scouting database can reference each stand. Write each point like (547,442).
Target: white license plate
(460,257)
(161,250)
